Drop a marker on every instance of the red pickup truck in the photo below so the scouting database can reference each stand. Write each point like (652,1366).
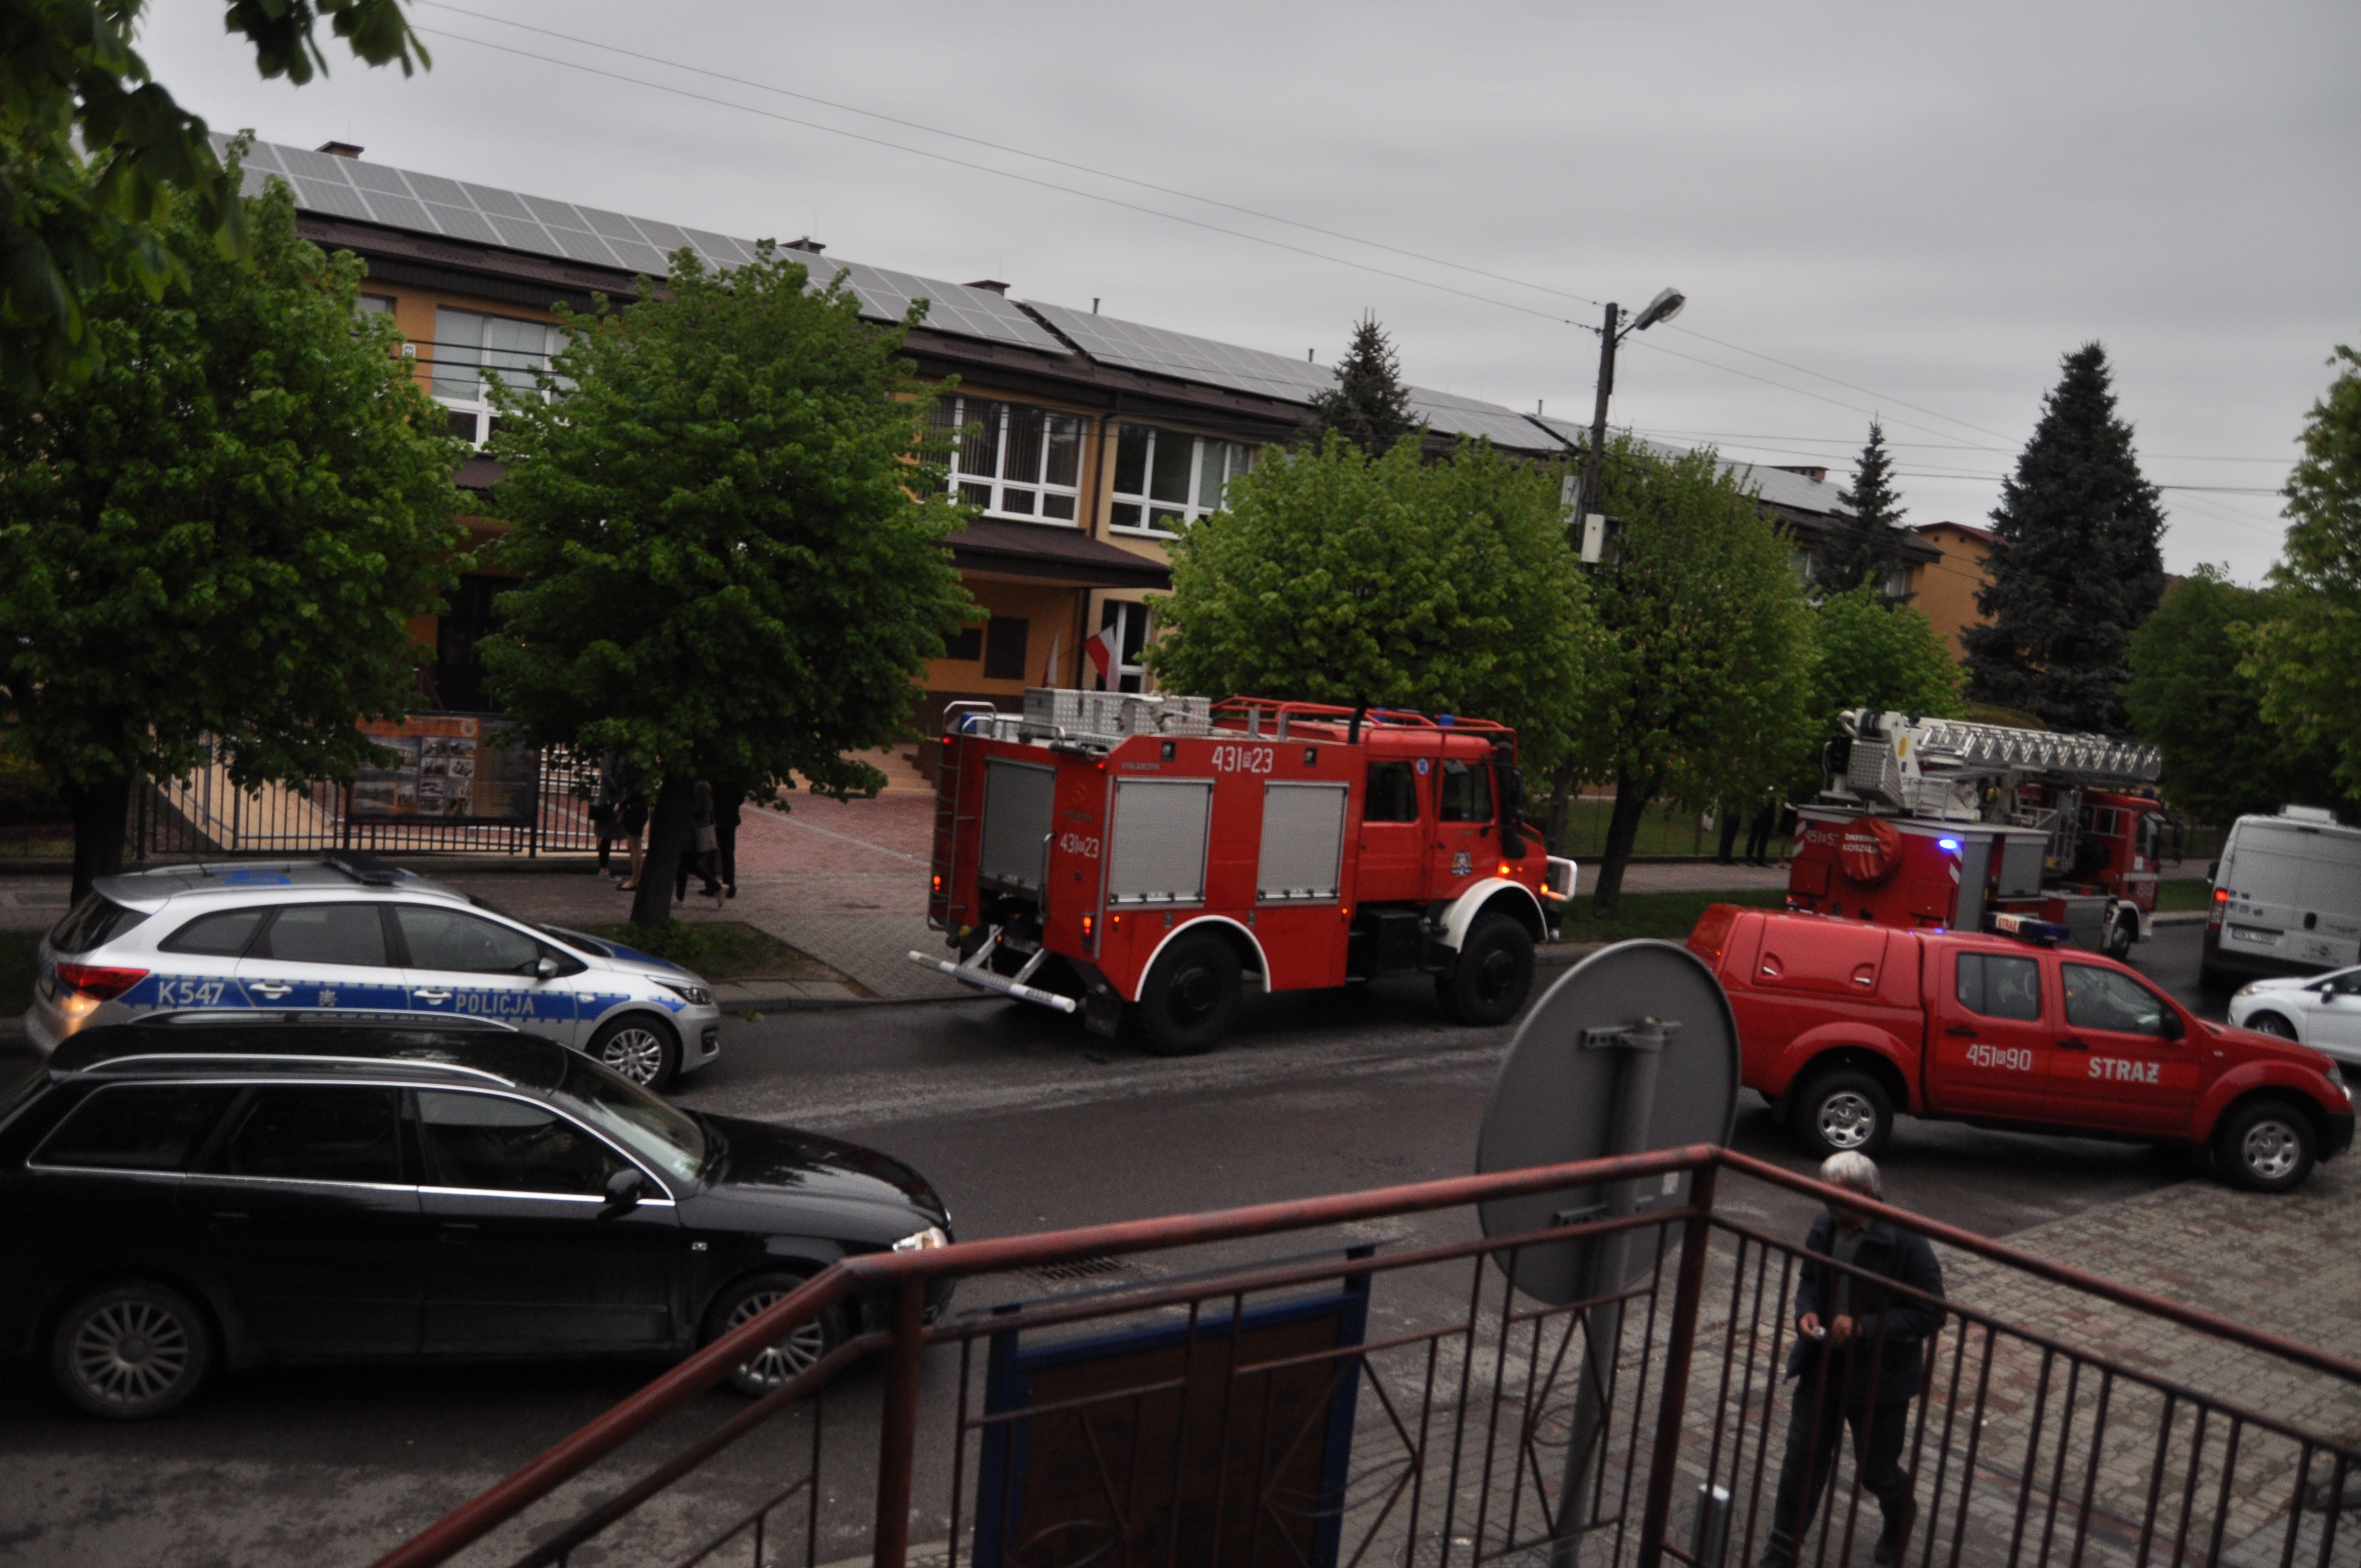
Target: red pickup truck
(1843,1024)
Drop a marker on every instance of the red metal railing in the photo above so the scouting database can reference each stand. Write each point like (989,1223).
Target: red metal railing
(1194,1397)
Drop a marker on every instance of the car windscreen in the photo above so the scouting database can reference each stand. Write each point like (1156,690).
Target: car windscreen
(666,1138)
(97,920)
(576,941)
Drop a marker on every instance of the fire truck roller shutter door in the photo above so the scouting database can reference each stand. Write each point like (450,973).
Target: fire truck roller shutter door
(1156,851)
(1017,801)
(2020,866)
(1303,838)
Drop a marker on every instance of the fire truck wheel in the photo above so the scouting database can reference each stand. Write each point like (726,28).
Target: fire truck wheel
(2122,934)
(1493,975)
(1841,1110)
(2265,1145)
(1190,998)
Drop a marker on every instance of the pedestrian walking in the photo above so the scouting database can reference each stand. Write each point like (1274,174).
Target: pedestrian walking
(728,809)
(605,808)
(1859,1361)
(1758,834)
(632,817)
(703,847)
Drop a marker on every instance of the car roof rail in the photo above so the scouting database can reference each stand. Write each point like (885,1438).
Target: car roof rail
(182,1060)
(364,868)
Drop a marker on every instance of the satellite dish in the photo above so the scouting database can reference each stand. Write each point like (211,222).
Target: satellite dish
(1572,1065)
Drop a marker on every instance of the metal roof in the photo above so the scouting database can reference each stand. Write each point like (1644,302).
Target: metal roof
(1472,417)
(432,205)
(1159,352)
(1799,492)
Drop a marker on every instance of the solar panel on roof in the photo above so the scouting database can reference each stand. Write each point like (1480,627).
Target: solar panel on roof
(1159,352)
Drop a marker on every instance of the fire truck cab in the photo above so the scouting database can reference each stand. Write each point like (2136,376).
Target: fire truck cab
(1935,823)
(1139,857)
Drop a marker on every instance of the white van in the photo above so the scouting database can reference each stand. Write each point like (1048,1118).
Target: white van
(2287,897)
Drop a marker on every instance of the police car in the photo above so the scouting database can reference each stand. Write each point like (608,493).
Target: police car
(350,934)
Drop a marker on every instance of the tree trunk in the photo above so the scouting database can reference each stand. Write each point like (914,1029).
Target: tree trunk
(98,811)
(1631,797)
(668,828)
(1561,802)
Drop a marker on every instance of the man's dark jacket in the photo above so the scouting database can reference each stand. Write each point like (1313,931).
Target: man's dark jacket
(1905,1321)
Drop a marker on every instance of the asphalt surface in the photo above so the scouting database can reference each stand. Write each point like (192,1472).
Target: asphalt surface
(1025,1122)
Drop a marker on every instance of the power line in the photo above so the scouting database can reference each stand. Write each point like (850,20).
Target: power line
(1015,153)
(1003,173)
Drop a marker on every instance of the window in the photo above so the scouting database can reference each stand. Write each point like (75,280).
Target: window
(465,342)
(1996,987)
(966,645)
(376,304)
(222,936)
(1013,460)
(97,920)
(448,939)
(1393,793)
(1466,792)
(1131,624)
(623,1109)
(318,1133)
(495,1145)
(2101,999)
(1003,648)
(1164,479)
(325,934)
(136,1127)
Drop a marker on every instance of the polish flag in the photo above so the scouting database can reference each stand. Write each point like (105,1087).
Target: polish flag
(1103,649)
(1050,670)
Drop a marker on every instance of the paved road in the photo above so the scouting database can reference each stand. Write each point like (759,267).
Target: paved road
(1025,1123)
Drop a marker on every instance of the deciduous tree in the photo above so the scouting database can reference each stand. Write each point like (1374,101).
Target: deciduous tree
(2308,654)
(2077,565)
(1334,577)
(730,519)
(222,531)
(89,143)
(1700,693)
(2188,695)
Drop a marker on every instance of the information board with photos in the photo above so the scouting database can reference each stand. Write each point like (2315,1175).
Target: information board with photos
(450,767)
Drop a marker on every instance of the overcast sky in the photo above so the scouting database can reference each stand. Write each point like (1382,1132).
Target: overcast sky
(1932,204)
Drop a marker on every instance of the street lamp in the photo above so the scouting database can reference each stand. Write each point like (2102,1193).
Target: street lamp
(1662,308)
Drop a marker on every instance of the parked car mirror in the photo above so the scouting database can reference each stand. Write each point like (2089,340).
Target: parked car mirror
(546,968)
(623,1187)
(2173,1027)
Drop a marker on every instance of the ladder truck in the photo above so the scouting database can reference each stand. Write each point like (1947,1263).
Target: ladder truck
(1943,823)
(1141,858)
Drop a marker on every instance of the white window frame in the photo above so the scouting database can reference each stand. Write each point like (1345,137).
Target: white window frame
(1164,519)
(1020,501)
(1122,614)
(516,363)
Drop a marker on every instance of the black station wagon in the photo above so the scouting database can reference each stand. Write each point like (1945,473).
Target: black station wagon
(192,1191)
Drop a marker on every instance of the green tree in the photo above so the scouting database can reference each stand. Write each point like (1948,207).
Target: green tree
(1867,544)
(1700,694)
(1336,578)
(89,143)
(2077,566)
(1870,652)
(2188,695)
(222,531)
(728,516)
(1369,406)
(2308,655)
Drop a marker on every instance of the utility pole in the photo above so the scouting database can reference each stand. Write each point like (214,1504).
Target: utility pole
(1594,475)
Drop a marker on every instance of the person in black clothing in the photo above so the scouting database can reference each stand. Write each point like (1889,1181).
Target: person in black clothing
(1858,1363)
(728,808)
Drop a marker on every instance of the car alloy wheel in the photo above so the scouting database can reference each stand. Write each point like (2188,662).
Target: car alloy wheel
(2271,1024)
(130,1350)
(639,1047)
(805,1343)
(1847,1121)
(2271,1150)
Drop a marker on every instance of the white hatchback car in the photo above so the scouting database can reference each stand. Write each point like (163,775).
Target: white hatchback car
(350,934)
(2323,1011)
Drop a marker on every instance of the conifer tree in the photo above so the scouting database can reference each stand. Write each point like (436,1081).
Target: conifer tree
(2076,568)
(1369,406)
(1867,545)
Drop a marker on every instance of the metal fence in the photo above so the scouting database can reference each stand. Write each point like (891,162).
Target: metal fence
(206,814)
(1189,1393)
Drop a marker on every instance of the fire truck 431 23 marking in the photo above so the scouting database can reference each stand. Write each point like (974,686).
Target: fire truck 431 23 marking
(1244,759)
(2123,1071)
(1079,844)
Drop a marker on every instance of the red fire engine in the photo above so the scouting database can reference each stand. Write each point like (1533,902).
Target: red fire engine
(1938,822)
(1140,856)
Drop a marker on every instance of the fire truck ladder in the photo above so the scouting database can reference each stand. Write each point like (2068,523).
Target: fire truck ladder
(1956,744)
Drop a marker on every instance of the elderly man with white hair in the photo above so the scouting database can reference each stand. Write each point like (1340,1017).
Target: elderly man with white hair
(1858,1362)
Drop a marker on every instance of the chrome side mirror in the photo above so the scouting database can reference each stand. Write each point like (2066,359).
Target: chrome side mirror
(546,968)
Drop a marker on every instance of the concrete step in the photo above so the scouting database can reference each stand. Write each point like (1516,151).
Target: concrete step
(901,771)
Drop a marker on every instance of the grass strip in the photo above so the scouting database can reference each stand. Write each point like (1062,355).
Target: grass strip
(716,950)
(1670,916)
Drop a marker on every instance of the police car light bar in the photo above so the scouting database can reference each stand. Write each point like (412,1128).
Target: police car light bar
(2026,928)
